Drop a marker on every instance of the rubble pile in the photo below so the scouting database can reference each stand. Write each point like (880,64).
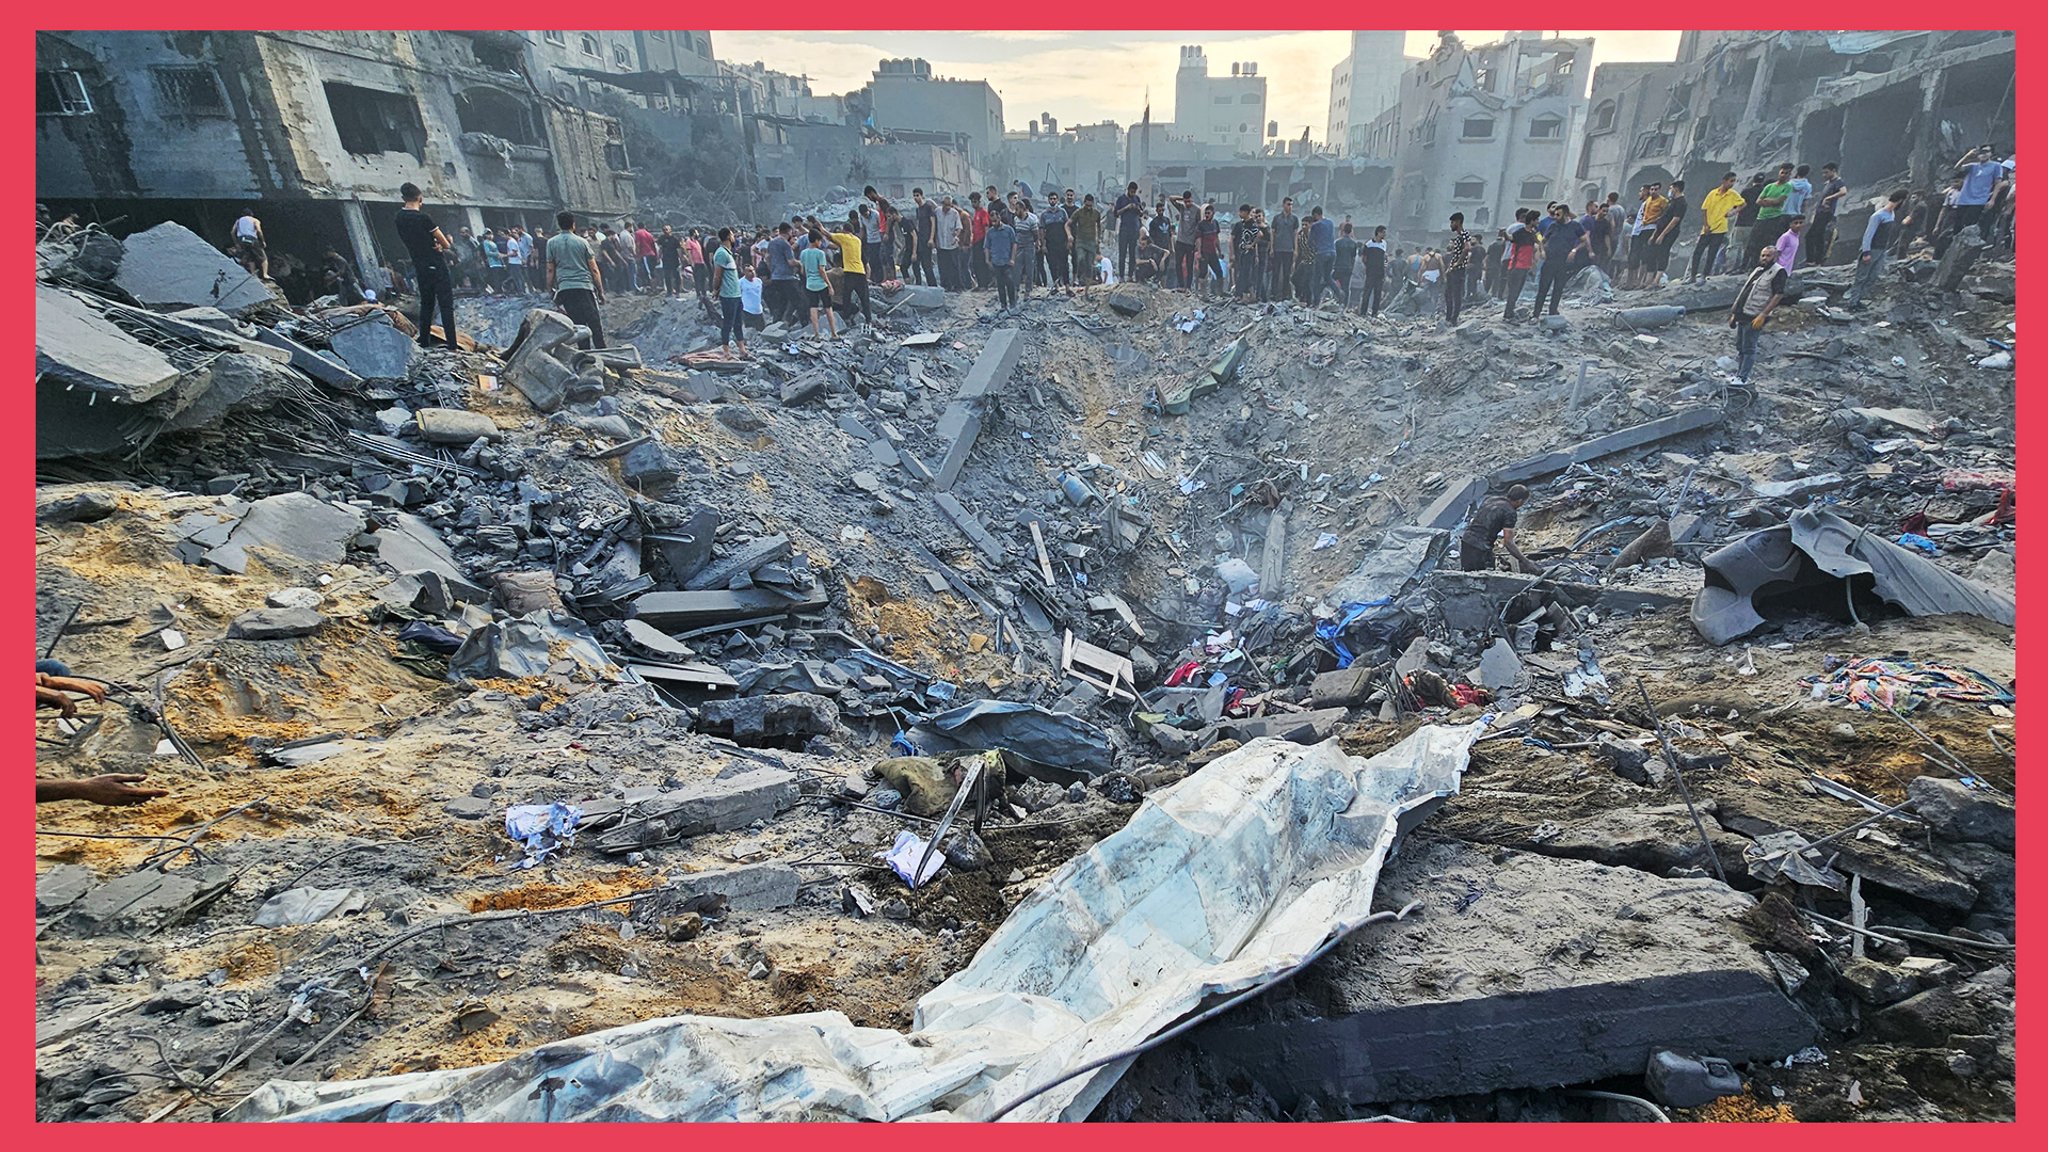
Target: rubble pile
(512,693)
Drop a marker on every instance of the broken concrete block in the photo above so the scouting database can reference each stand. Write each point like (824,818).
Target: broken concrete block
(230,382)
(321,368)
(1877,983)
(275,624)
(1960,256)
(455,426)
(74,507)
(1448,509)
(78,347)
(755,719)
(60,887)
(650,467)
(149,901)
(970,527)
(750,888)
(468,807)
(1955,811)
(374,350)
(681,611)
(1557,972)
(712,806)
(745,558)
(1300,727)
(170,266)
(1499,668)
(961,422)
(291,530)
(803,390)
(1663,428)
(921,296)
(522,592)
(410,544)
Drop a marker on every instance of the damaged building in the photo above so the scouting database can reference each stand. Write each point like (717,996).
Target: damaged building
(1482,129)
(320,129)
(1895,109)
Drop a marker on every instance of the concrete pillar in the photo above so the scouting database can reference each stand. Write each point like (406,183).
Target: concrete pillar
(1758,87)
(1927,137)
(361,240)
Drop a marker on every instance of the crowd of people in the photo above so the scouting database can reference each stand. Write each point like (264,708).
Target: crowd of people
(817,273)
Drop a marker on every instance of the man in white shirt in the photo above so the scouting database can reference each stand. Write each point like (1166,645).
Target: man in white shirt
(249,244)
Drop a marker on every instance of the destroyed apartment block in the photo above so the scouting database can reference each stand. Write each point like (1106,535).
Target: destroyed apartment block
(871,725)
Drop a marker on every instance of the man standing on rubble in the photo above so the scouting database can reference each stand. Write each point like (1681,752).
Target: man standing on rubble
(1130,220)
(726,278)
(1521,257)
(1347,261)
(1721,207)
(925,239)
(1086,222)
(1565,236)
(1760,296)
(1322,247)
(1187,230)
(1457,260)
(1982,173)
(1494,518)
(1002,252)
(250,247)
(1373,295)
(1788,244)
(946,238)
(785,298)
(1666,235)
(977,239)
(573,277)
(1284,227)
(1770,209)
(1820,236)
(1877,242)
(428,247)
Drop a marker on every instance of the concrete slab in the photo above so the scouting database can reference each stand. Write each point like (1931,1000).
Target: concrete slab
(412,545)
(968,525)
(143,902)
(321,368)
(78,347)
(1526,973)
(961,422)
(1300,727)
(275,624)
(751,888)
(170,266)
(1457,499)
(712,806)
(745,558)
(374,350)
(291,530)
(455,426)
(1663,428)
(681,611)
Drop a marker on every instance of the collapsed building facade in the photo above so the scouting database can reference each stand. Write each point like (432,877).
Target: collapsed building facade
(320,129)
(1895,109)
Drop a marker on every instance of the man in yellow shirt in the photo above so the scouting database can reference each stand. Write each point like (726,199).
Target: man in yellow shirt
(1720,207)
(852,273)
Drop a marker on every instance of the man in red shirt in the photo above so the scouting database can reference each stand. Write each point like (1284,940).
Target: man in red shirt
(643,242)
(983,275)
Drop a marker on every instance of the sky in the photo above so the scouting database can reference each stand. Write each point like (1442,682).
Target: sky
(1087,77)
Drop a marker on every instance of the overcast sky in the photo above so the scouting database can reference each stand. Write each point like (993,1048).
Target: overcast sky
(1085,77)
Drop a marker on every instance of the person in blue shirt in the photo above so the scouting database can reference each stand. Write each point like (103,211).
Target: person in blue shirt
(1322,242)
(1877,242)
(1802,191)
(1002,252)
(1564,238)
(1982,172)
(817,292)
(785,294)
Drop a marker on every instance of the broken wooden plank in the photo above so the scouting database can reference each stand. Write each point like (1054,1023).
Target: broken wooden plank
(1044,561)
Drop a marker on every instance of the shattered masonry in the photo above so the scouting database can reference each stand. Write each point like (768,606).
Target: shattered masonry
(523,707)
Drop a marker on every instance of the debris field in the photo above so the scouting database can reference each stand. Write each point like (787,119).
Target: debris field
(517,703)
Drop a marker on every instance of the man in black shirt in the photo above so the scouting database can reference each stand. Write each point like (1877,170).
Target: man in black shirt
(1371,297)
(1495,517)
(1827,199)
(1666,234)
(1129,210)
(1347,259)
(428,247)
(1285,225)
(670,246)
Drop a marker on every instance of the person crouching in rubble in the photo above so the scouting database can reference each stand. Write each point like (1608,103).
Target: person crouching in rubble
(1495,517)
(1760,296)
(54,684)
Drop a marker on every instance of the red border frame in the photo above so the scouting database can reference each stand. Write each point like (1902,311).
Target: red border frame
(17,316)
